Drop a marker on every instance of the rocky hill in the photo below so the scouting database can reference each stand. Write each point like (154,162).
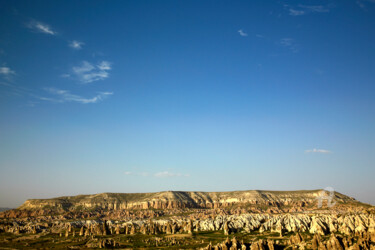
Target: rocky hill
(181,199)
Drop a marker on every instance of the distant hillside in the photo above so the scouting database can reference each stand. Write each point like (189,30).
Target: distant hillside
(182,199)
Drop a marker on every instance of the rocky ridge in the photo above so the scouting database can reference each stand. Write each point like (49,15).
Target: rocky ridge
(181,199)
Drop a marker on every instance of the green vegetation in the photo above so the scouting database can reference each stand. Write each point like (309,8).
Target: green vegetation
(137,241)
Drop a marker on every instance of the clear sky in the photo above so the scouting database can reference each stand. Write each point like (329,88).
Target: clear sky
(147,96)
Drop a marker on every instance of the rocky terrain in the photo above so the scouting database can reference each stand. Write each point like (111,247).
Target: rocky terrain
(191,220)
(179,199)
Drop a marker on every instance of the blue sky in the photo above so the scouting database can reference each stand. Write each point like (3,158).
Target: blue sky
(147,96)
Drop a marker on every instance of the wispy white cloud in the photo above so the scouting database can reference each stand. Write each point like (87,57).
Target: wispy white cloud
(315,8)
(65,96)
(242,33)
(83,68)
(76,44)
(301,10)
(53,94)
(104,65)
(41,27)
(315,150)
(166,174)
(294,12)
(7,74)
(6,71)
(287,42)
(88,72)
(290,44)
(128,173)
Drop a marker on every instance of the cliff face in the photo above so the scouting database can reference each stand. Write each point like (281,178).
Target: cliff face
(180,199)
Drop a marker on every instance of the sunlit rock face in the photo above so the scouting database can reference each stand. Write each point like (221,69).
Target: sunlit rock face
(276,201)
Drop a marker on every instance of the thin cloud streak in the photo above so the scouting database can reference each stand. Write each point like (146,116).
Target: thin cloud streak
(315,8)
(287,42)
(104,65)
(242,33)
(315,150)
(88,72)
(61,96)
(41,28)
(6,71)
(301,10)
(294,12)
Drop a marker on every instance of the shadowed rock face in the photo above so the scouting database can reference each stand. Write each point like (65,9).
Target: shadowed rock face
(179,199)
